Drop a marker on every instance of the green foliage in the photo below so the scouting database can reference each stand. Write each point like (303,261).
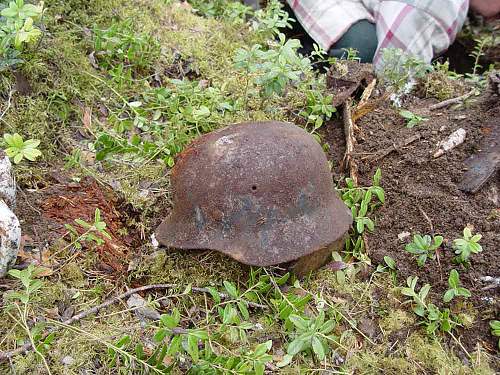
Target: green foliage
(20,303)
(92,232)
(318,109)
(173,343)
(359,200)
(269,21)
(18,149)
(424,247)
(273,69)
(390,267)
(495,329)
(163,121)
(466,246)
(432,317)
(27,278)
(400,70)
(17,30)
(122,51)
(419,297)
(311,334)
(455,289)
(351,54)
(233,11)
(411,118)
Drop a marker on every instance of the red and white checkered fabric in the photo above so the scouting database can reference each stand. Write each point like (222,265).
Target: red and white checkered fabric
(422,28)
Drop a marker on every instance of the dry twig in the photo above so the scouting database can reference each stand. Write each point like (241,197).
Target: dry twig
(7,355)
(349,161)
(449,102)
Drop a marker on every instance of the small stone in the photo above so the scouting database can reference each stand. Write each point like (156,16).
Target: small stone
(68,360)
(403,235)
(154,241)
(141,308)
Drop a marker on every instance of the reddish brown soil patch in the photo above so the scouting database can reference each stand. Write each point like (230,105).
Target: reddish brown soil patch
(45,213)
(422,197)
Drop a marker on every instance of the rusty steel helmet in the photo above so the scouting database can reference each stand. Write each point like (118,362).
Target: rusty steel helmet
(260,192)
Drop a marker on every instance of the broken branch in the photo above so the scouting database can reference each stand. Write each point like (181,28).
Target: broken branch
(350,140)
(449,102)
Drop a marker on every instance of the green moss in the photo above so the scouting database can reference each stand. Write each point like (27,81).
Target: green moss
(185,267)
(396,320)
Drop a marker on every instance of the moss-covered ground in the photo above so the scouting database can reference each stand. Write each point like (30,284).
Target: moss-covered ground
(80,93)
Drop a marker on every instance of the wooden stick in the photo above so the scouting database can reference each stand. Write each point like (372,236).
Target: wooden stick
(449,102)
(366,95)
(350,141)
(7,355)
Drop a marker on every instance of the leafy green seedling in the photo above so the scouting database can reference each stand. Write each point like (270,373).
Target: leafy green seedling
(94,232)
(418,297)
(312,333)
(390,267)
(455,289)
(438,319)
(22,303)
(17,30)
(27,278)
(19,149)
(466,246)
(424,247)
(411,118)
(495,329)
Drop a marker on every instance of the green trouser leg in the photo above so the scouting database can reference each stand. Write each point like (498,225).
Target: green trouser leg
(362,36)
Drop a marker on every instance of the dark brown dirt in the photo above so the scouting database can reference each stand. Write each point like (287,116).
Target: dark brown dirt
(422,197)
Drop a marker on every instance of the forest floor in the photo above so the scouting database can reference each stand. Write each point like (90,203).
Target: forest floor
(114,90)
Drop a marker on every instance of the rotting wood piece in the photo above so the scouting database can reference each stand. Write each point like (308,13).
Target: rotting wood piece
(349,162)
(345,77)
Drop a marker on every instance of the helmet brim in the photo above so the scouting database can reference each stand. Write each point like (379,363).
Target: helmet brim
(261,243)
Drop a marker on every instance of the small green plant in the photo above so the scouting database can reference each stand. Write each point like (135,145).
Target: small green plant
(17,30)
(390,267)
(234,11)
(311,334)
(495,329)
(411,118)
(400,72)
(21,303)
(455,289)
(92,232)
(318,109)
(419,297)
(121,50)
(359,200)
(432,317)
(273,69)
(272,19)
(424,247)
(18,149)
(467,245)
(438,319)
(351,54)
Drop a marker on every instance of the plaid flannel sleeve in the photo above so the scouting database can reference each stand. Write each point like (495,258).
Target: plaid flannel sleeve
(422,28)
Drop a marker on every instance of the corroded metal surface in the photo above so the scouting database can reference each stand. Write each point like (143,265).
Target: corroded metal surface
(259,192)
